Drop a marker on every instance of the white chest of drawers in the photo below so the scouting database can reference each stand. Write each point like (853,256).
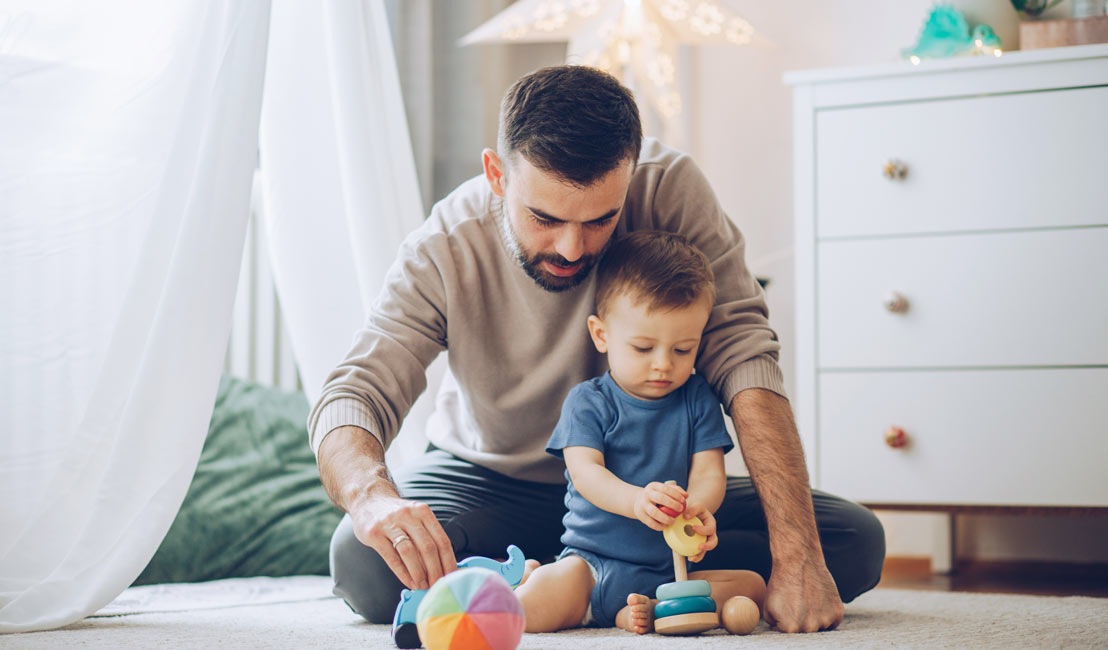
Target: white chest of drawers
(951,242)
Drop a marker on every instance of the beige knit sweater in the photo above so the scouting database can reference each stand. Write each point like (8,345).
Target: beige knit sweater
(514,349)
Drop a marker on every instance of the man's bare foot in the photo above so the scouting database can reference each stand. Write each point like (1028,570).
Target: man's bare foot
(638,616)
(528,567)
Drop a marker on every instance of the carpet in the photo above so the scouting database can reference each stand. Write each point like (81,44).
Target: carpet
(300,613)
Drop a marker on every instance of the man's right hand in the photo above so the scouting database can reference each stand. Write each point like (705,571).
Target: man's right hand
(407,536)
(404,533)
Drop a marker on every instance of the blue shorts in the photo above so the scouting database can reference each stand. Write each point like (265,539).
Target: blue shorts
(615,580)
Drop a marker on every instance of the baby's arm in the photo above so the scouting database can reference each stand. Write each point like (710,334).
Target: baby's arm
(707,487)
(608,492)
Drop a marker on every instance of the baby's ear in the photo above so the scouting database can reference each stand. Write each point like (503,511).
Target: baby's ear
(599,334)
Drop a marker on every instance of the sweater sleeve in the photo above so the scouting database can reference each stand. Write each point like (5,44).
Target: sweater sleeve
(385,371)
(739,350)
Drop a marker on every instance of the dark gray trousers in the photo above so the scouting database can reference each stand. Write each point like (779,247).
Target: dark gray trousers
(483,512)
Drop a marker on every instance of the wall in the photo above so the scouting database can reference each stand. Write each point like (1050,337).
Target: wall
(740,131)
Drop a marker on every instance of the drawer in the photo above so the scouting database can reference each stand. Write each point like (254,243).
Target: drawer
(1004,161)
(974,300)
(1003,437)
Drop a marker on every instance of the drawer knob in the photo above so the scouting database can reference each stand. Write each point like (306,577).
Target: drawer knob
(896,438)
(896,303)
(895,170)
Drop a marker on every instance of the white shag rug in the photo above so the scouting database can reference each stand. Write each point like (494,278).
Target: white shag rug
(300,613)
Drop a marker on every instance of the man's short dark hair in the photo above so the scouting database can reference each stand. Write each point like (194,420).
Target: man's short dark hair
(662,269)
(576,122)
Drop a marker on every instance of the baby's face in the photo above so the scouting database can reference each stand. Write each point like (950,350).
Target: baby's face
(650,353)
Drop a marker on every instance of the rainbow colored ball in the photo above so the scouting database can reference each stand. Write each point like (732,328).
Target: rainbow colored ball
(470,609)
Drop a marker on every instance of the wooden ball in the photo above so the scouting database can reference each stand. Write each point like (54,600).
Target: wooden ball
(740,615)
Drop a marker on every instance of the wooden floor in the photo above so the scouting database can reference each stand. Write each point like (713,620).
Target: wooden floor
(1049,579)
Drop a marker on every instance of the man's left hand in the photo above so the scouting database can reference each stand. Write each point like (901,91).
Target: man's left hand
(802,598)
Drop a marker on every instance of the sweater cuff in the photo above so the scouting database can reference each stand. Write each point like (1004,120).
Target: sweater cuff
(759,372)
(341,412)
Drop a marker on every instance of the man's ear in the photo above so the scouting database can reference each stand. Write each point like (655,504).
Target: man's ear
(494,171)
(599,334)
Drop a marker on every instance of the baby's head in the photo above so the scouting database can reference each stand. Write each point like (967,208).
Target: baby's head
(654,292)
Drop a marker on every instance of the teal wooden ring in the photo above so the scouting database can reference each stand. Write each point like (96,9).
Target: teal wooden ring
(690,605)
(684,589)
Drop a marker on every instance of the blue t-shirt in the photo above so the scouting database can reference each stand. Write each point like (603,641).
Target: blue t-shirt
(642,441)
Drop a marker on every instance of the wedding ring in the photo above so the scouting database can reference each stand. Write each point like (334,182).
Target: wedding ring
(402,538)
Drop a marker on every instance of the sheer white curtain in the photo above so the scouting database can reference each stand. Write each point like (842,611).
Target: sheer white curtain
(339,181)
(128,135)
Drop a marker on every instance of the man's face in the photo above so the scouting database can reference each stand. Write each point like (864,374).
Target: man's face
(556,230)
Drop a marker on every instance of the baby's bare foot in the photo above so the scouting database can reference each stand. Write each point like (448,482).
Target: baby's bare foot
(528,567)
(638,616)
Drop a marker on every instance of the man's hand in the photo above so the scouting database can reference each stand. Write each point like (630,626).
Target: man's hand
(803,598)
(657,494)
(404,533)
(801,595)
(407,536)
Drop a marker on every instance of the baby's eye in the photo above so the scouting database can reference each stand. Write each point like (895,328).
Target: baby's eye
(642,349)
(682,352)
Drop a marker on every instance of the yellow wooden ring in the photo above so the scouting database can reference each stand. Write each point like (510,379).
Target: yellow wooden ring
(681,538)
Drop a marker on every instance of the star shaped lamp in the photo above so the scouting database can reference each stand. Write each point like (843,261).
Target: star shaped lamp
(634,40)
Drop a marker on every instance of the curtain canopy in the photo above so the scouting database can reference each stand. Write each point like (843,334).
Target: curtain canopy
(130,136)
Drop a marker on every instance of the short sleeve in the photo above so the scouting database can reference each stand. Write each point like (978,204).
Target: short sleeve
(709,429)
(585,417)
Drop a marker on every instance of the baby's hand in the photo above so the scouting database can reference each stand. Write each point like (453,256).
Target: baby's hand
(657,494)
(708,530)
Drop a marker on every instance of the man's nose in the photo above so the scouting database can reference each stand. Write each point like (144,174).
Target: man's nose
(571,242)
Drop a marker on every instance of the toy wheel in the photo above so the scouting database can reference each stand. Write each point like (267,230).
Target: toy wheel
(406,635)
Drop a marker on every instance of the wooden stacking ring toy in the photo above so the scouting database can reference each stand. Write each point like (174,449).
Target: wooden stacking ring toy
(681,538)
(740,615)
(669,511)
(684,589)
(689,605)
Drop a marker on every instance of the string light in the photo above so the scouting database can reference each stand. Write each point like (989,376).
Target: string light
(634,40)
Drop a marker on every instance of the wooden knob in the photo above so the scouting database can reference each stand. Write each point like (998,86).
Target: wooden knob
(895,437)
(895,303)
(894,170)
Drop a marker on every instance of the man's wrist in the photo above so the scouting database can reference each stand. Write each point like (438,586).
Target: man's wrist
(352,468)
(369,486)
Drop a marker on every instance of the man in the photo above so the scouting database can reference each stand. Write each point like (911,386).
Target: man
(500,277)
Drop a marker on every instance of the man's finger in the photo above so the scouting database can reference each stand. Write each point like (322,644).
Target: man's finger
(443,547)
(427,553)
(389,554)
(409,555)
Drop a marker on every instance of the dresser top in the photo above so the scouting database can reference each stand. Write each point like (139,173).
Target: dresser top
(928,66)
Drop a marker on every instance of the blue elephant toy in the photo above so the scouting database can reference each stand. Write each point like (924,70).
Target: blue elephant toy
(404,631)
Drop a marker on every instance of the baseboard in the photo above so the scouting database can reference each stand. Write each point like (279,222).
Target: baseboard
(1032,568)
(921,565)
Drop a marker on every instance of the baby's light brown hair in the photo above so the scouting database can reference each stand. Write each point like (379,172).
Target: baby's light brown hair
(654,266)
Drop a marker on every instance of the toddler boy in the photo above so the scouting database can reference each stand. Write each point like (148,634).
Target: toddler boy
(648,420)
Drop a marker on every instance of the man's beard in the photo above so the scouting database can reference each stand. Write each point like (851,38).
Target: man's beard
(530,263)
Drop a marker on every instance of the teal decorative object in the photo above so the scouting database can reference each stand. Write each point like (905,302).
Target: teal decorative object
(947,33)
(984,37)
(1032,8)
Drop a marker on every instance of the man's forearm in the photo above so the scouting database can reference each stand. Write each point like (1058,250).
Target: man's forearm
(352,467)
(773,454)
